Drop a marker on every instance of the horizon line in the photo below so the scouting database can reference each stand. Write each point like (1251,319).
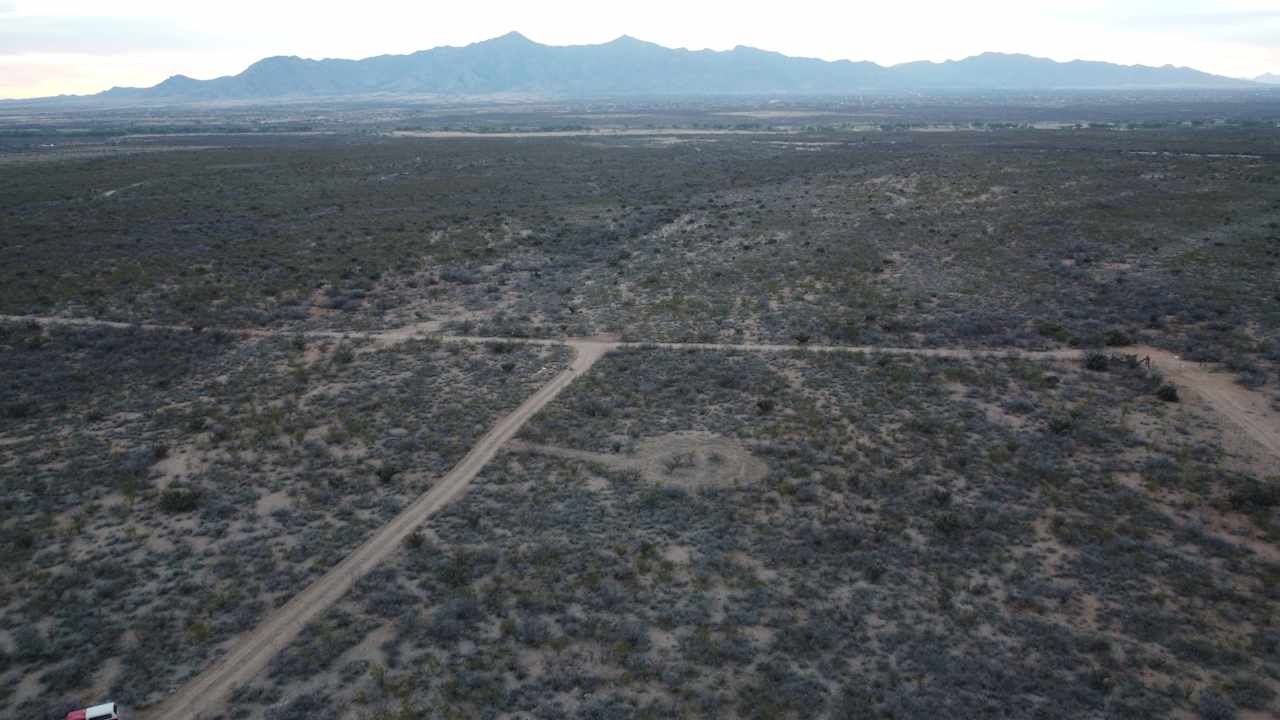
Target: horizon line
(518,35)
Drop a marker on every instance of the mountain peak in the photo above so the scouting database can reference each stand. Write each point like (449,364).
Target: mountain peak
(1011,57)
(627,41)
(274,61)
(512,38)
(512,63)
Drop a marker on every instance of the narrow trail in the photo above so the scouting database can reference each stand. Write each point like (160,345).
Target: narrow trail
(249,655)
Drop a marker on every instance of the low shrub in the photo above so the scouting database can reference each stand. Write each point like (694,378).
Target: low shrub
(179,500)
(1254,496)
(1118,338)
(1213,706)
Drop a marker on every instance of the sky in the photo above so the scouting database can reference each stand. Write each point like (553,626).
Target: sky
(51,47)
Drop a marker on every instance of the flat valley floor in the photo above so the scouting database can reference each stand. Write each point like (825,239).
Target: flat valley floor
(708,419)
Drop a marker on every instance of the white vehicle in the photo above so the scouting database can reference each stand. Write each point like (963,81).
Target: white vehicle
(107,711)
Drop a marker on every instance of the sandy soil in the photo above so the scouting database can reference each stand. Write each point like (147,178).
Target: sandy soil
(1247,409)
(689,460)
(249,655)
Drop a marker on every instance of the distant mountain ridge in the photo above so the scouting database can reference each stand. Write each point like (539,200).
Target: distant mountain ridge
(1268,78)
(626,66)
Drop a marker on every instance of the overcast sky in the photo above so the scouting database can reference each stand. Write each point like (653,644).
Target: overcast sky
(50,47)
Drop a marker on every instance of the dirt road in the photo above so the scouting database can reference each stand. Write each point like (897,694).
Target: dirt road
(1248,410)
(249,655)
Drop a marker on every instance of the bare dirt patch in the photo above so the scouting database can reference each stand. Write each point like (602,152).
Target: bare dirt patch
(1247,409)
(688,460)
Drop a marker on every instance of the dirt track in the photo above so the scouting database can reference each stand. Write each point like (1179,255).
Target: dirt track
(733,463)
(113,193)
(1248,410)
(249,655)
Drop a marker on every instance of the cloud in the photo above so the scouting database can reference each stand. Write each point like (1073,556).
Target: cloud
(25,35)
(1251,27)
(23,79)
(1203,20)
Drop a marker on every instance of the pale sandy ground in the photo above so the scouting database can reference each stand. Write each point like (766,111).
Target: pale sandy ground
(690,460)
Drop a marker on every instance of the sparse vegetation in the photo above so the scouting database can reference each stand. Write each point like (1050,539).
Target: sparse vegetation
(924,537)
(904,520)
(176,504)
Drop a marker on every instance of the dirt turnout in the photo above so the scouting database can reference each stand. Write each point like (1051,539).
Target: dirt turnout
(689,459)
(249,656)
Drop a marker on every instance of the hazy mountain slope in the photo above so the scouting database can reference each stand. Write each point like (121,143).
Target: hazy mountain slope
(999,71)
(626,66)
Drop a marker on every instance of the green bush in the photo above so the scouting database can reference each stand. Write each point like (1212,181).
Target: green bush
(1053,330)
(1118,338)
(1061,424)
(1254,496)
(179,500)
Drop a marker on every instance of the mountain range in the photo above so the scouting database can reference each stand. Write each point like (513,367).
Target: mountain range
(513,64)
(1268,78)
